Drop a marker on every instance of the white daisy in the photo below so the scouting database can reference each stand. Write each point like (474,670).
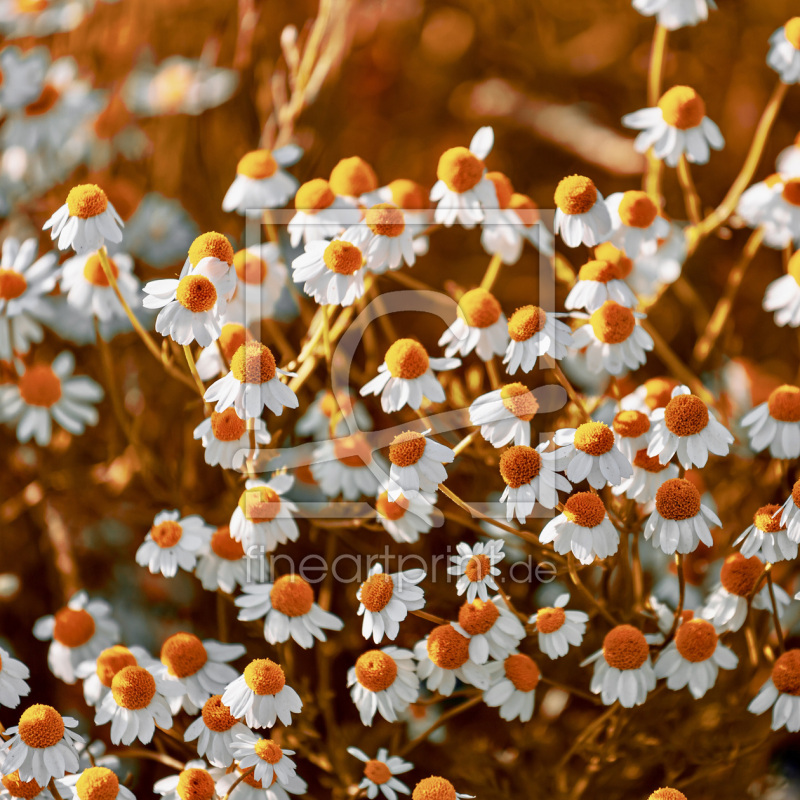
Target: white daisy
(589,453)
(784,51)
(406,518)
(788,161)
(248,788)
(384,601)
(328,415)
(260,181)
(493,630)
(581,214)
(261,695)
(173,542)
(675,14)
(790,514)
(776,423)
(263,517)
(636,222)
(193,782)
(505,414)
(214,251)
(648,475)
(379,773)
(98,674)
(320,214)
(86,221)
(599,282)
(767,537)
(270,761)
(783,295)
(352,178)
(348,467)
(476,568)
(559,629)
(23,76)
(444,657)
(531,476)
(385,681)
(227,441)
(13,677)
(213,361)
(781,217)
(412,198)
(480,326)
(222,565)
(97,783)
(631,429)
(331,272)
(417,464)
(755,206)
(384,238)
(535,333)
(436,788)
(652,394)
(261,277)
(781,692)
(582,528)
(214,732)
(513,687)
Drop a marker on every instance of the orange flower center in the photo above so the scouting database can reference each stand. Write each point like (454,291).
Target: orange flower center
(407,359)
(479,308)
(385,219)
(12,284)
(477,568)
(17,788)
(292,596)
(94,273)
(377,772)
(389,509)
(250,268)
(133,688)
(352,177)
(258,164)
(576,194)
(447,648)
(525,322)
(41,726)
(40,386)
(594,438)
(226,425)
(502,187)
(217,716)
(408,195)
(183,654)
(522,671)
(343,258)
(786,673)
(353,451)
(525,208)
(31,6)
(269,751)
(519,400)
(625,647)
(585,509)
(376,592)
(375,670)
(612,323)
(211,245)
(196,293)
(253,362)
(791,191)
(637,210)
(667,794)
(434,788)
(607,252)
(233,336)
(260,504)
(460,169)
(658,392)
(549,620)
(764,521)
(792,32)
(677,499)
(264,676)
(599,271)
(314,196)
(784,404)
(686,415)
(407,448)
(86,200)
(682,107)
(225,546)
(648,463)
(73,627)
(97,783)
(195,784)
(47,100)
(739,574)
(696,640)
(478,617)
(166,534)
(111,661)
(519,465)
(631,424)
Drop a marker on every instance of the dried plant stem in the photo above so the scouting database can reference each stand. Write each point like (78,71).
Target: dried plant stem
(570,690)
(441,721)
(132,752)
(53,790)
(238,781)
(492,271)
(582,588)
(775,616)
(198,381)
(690,197)
(681,599)
(430,617)
(652,178)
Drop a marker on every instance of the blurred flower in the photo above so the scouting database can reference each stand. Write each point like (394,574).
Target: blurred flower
(583,528)
(783,295)
(23,76)
(581,213)
(173,542)
(261,277)
(379,773)
(784,51)
(261,183)
(405,519)
(384,681)
(674,14)
(13,677)
(347,466)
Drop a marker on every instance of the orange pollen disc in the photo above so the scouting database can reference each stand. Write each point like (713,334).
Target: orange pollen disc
(796,493)
(585,509)
(686,415)
(377,772)
(739,574)
(264,676)
(17,788)
(612,323)
(269,751)
(784,404)
(47,100)
(97,783)
(522,671)
(447,648)
(434,788)
(111,661)
(375,670)
(599,271)
(251,781)
(166,534)
(86,200)
(764,521)
(183,654)
(667,794)
(343,258)
(478,617)
(73,626)
(682,108)
(594,438)
(253,362)
(791,191)
(478,568)
(696,640)
(41,726)
(40,386)
(388,509)
(793,267)
(792,32)
(226,425)
(460,169)
(519,465)
(94,273)
(479,308)
(407,448)
(677,499)
(258,164)
(407,359)
(385,219)
(525,208)
(196,293)
(195,784)
(625,647)
(292,596)
(352,177)
(314,196)
(519,400)
(353,451)
(525,322)
(225,546)
(260,504)
(607,252)
(250,268)
(786,673)
(211,245)
(658,392)
(631,424)
(133,688)
(502,187)
(637,210)
(233,336)
(408,195)
(217,716)
(648,463)
(376,592)
(12,284)
(549,620)
(576,194)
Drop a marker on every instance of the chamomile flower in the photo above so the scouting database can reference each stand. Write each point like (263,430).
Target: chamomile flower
(173,542)
(756,202)
(41,745)
(214,252)
(599,282)
(351,178)
(222,565)
(384,601)
(97,783)
(263,517)
(252,384)
(776,423)
(98,674)
(559,629)
(384,681)
(13,677)
(261,695)
(493,631)
(648,475)
(348,467)
(462,190)
(680,521)
(331,272)
(535,333)
(513,687)
(328,415)
(582,528)
(652,394)
(379,773)
(476,568)
(660,265)
(781,693)
(631,429)
(193,782)
(444,657)
(675,14)
(531,476)
(86,221)
(214,732)
(261,181)
(677,126)
(78,632)
(480,325)
(13,788)
(622,668)
(781,217)
(688,428)
(784,51)
(783,295)
(788,161)
(238,785)
(436,788)
(581,214)
(767,537)
(226,438)
(502,230)
(213,360)
(417,464)
(320,214)
(590,453)
(405,518)
(384,238)
(505,414)
(45,393)
(790,514)
(261,277)
(270,761)
(406,377)
(636,222)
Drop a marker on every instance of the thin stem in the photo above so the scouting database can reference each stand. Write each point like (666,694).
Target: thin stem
(326,336)
(430,617)
(581,587)
(439,722)
(133,752)
(222,617)
(681,599)
(655,167)
(570,690)
(775,616)
(690,197)
(238,781)
(492,372)
(573,395)
(53,789)
(492,271)
(198,381)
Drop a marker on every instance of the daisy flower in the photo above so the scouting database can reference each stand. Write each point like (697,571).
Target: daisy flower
(783,295)
(222,565)
(788,160)
(492,629)
(767,537)
(756,202)
(535,333)
(677,126)
(86,221)
(331,272)
(347,467)
(97,783)
(237,785)
(327,415)
(213,360)
(599,282)
(214,252)
(476,568)
(631,429)
(173,542)
(513,687)
(436,788)
(680,521)
(675,14)
(49,392)
(790,514)
(384,601)
(686,427)
(559,629)
(270,761)
(660,265)
(776,423)
(505,414)
(406,518)
(648,475)
(12,788)
(226,438)
(636,222)
(193,782)
(582,528)
(417,464)
(384,681)
(261,182)
(530,477)
(652,394)
(214,732)
(320,214)
(41,745)
(412,198)
(784,51)
(462,190)
(384,238)
(78,632)
(581,214)
(781,217)
(444,657)
(781,692)
(614,340)
(97,675)
(351,178)
(25,281)
(261,277)
(252,384)
(263,517)
(13,677)
(379,773)
(622,669)
(590,453)
(261,695)
(480,326)
(406,377)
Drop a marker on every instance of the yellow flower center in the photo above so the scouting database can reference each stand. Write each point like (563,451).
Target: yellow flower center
(525,208)
(260,504)
(170,86)
(225,546)
(258,164)
(686,415)
(133,688)
(549,620)
(585,509)
(478,568)
(792,32)
(447,648)
(17,788)
(376,592)
(353,451)
(677,499)
(97,783)
(253,362)
(111,661)
(793,267)
(407,359)
(196,293)
(73,626)
(376,670)
(599,271)
(232,337)
(40,386)
(46,101)
(377,772)
(407,448)
(607,252)
(195,784)
(434,788)
(268,750)
(250,268)
(211,245)
(227,426)
(612,323)
(791,191)
(408,195)
(525,322)
(478,617)
(594,438)
(217,716)
(667,794)
(94,273)
(519,400)
(739,574)
(696,640)
(388,509)
(576,194)
(631,424)
(166,534)
(658,392)
(522,671)
(786,673)
(264,676)
(313,196)
(519,465)
(385,219)
(183,654)
(502,187)
(479,308)
(682,107)
(648,463)
(292,596)
(764,521)
(460,169)
(637,210)
(31,6)
(784,404)
(352,177)
(343,258)
(86,200)
(625,647)
(12,284)
(41,726)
